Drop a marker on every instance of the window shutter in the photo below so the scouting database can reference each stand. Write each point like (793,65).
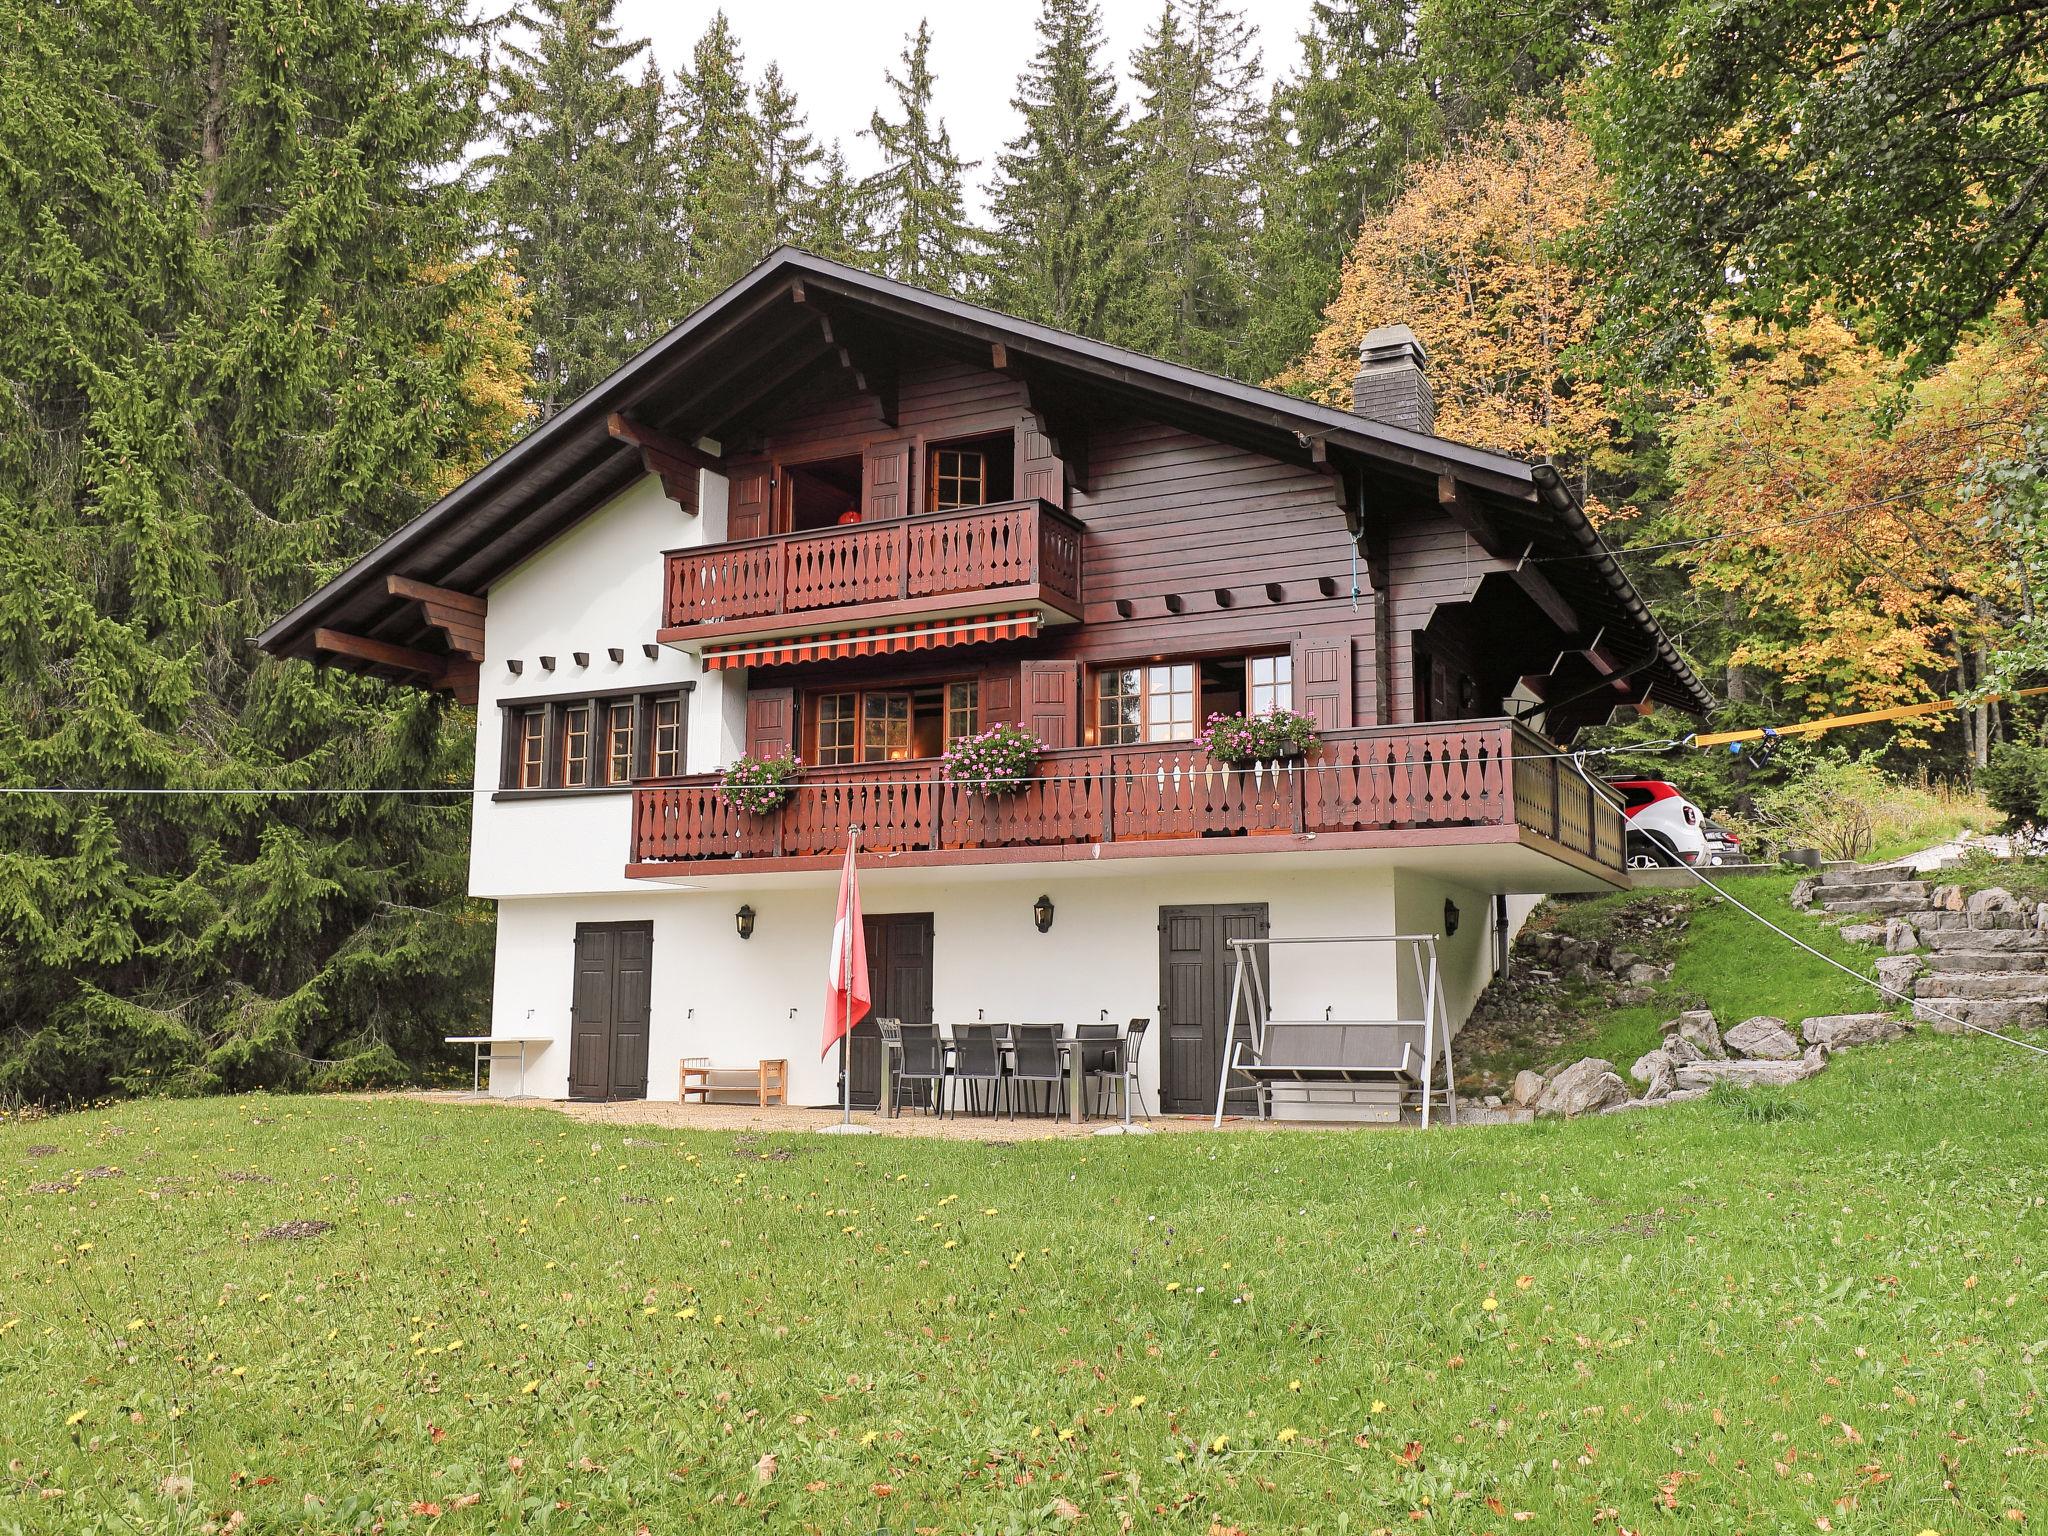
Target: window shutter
(1322,682)
(885,481)
(998,697)
(747,509)
(1040,472)
(1052,693)
(771,721)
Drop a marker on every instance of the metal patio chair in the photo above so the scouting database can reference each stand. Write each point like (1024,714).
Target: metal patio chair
(1035,1059)
(1101,1048)
(978,1060)
(923,1060)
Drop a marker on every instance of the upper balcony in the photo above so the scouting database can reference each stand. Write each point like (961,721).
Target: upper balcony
(1407,787)
(1016,557)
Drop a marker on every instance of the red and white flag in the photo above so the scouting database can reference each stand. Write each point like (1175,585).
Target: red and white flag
(846,975)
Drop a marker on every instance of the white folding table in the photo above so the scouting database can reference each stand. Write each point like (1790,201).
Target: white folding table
(486,1048)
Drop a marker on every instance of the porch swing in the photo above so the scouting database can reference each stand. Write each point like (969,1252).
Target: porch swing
(1307,1058)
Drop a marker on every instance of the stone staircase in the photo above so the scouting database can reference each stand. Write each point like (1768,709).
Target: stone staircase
(1982,959)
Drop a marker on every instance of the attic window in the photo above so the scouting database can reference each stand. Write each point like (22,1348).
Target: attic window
(970,472)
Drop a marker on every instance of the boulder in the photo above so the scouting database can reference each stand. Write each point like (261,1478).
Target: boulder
(1633,997)
(1680,1049)
(1751,1074)
(1697,1028)
(1900,936)
(2041,915)
(1641,973)
(1622,961)
(1803,892)
(1993,901)
(1946,898)
(1528,1087)
(1657,1072)
(1762,1038)
(1863,933)
(1834,1031)
(1898,972)
(1582,1088)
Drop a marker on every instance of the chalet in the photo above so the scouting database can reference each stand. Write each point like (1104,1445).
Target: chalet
(836,514)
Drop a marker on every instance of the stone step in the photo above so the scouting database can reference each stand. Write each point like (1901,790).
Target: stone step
(1986,962)
(1902,890)
(1863,874)
(1948,939)
(1979,984)
(1992,1013)
(1877,906)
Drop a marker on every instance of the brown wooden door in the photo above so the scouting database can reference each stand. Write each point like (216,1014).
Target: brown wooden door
(1195,973)
(885,481)
(1052,703)
(608,1011)
(771,721)
(749,509)
(900,981)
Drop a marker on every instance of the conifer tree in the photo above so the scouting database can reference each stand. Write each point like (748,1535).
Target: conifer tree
(924,235)
(1062,201)
(1195,138)
(839,221)
(562,191)
(651,245)
(718,158)
(242,335)
(788,162)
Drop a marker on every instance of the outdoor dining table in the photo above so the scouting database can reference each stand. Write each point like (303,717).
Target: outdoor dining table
(1072,1062)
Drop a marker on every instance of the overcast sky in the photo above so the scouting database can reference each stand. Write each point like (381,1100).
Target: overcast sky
(833,53)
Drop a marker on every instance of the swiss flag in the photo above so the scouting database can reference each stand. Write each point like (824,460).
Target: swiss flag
(846,973)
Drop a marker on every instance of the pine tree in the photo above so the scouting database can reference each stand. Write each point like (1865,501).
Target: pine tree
(925,237)
(1195,138)
(788,163)
(1062,202)
(1344,127)
(839,219)
(651,238)
(242,335)
(562,190)
(718,156)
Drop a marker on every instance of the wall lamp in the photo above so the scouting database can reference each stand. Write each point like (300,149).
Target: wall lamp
(1041,913)
(1450,918)
(744,921)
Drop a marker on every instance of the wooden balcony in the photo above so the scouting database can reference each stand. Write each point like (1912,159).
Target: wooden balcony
(1486,781)
(1014,556)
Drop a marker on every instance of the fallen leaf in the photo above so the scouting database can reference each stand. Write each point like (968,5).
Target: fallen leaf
(764,1469)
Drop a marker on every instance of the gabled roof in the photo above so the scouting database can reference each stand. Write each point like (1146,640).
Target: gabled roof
(698,378)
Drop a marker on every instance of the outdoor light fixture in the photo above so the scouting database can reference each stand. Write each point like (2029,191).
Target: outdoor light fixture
(1041,913)
(744,920)
(1450,918)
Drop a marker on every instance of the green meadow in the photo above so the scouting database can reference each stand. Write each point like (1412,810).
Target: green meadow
(1824,1308)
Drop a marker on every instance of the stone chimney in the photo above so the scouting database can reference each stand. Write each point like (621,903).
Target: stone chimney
(1393,380)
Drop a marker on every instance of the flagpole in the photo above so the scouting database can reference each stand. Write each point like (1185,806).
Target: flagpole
(846,979)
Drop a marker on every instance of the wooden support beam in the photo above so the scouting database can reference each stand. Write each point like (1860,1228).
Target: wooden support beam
(425,592)
(1456,503)
(676,462)
(458,615)
(423,669)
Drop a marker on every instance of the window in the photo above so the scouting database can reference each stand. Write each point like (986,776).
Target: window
(1271,683)
(963,710)
(668,736)
(838,726)
(1152,703)
(593,741)
(531,761)
(885,727)
(618,736)
(974,472)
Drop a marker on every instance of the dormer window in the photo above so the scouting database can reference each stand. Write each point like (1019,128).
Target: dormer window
(971,472)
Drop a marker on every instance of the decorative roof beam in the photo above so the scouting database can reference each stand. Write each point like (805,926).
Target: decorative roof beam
(458,615)
(676,462)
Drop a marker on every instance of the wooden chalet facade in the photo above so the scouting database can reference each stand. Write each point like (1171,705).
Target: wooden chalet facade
(835,515)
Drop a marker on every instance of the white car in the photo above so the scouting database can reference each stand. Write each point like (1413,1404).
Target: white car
(1664,828)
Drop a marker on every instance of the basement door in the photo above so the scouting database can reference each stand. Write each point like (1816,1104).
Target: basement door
(900,979)
(608,1011)
(1195,970)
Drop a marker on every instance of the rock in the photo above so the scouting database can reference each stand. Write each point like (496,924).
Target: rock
(1622,961)
(1579,970)
(2041,915)
(1993,900)
(1581,1088)
(1750,1074)
(1633,997)
(1898,972)
(1803,892)
(1527,1089)
(1863,933)
(1657,1072)
(1762,1038)
(1683,1095)
(1946,898)
(1697,1028)
(1641,973)
(1834,1031)
(1900,936)
(1682,1050)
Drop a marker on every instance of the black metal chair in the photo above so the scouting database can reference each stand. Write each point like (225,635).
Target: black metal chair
(891,1031)
(923,1060)
(1036,1060)
(1101,1048)
(977,1060)
(1133,1053)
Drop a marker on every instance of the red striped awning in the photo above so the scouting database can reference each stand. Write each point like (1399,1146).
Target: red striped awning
(929,636)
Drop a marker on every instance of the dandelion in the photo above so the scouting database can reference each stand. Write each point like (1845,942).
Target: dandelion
(1138,1401)
(1173,1285)
(1287,1434)
(1217,1445)
(1490,1305)
(1294,1386)
(1378,1406)
(530,1388)
(77,1418)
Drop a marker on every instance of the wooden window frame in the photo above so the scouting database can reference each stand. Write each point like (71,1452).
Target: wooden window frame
(851,723)
(1095,728)
(554,714)
(860,693)
(1278,685)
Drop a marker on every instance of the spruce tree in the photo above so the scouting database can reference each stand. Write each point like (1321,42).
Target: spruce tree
(923,233)
(788,163)
(1062,202)
(1195,138)
(839,219)
(561,189)
(718,158)
(651,237)
(242,335)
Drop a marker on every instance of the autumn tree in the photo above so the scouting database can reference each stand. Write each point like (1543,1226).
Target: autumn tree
(1477,256)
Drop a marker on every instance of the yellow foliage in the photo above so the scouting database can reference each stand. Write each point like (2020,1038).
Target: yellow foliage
(1840,501)
(497,371)
(1471,256)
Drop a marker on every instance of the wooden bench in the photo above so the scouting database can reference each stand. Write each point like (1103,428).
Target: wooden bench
(767,1082)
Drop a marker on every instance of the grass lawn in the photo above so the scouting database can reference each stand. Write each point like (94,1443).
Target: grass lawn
(1822,1309)
(1723,961)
